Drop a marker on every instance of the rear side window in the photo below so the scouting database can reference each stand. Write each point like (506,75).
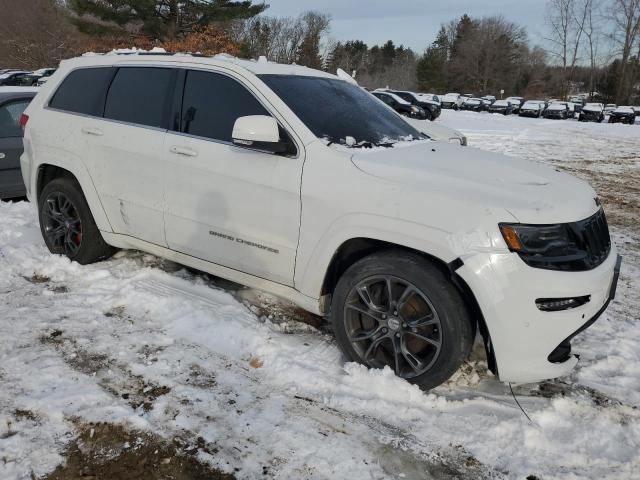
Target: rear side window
(139,95)
(83,91)
(10,118)
(213,102)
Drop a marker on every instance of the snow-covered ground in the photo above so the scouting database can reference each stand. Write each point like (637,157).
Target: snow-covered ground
(230,376)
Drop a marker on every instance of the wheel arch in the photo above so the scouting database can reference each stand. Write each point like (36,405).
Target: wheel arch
(355,249)
(46,172)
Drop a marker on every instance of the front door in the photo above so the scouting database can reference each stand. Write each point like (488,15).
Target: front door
(236,207)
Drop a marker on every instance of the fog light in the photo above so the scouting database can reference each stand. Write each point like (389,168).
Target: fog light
(558,304)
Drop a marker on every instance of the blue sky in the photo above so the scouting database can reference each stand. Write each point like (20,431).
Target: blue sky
(413,23)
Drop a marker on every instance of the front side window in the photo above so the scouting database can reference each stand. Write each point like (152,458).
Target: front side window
(334,110)
(83,91)
(139,95)
(212,103)
(10,118)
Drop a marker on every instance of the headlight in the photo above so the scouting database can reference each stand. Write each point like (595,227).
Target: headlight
(414,109)
(545,240)
(560,246)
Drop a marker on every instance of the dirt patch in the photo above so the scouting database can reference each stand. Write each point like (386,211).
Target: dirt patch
(109,452)
(36,278)
(112,377)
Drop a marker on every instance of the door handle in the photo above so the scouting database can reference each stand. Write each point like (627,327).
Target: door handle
(188,152)
(92,131)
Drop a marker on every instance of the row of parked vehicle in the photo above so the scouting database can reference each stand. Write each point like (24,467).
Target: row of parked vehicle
(552,109)
(13,78)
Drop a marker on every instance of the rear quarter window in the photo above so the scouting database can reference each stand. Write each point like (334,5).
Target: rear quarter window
(83,91)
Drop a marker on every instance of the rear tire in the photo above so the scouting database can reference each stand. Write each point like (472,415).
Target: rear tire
(397,309)
(67,225)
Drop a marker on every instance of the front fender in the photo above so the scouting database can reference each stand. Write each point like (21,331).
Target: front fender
(315,257)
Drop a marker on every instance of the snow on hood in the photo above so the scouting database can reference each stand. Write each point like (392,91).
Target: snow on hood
(532,192)
(593,107)
(557,106)
(534,105)
(624,110)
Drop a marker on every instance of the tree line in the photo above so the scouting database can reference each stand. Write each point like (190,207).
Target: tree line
(591,45)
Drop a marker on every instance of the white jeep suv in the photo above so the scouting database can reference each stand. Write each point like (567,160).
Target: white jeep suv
(302,184)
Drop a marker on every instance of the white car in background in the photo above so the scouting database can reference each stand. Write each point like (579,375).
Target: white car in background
(302,184)
(452,100)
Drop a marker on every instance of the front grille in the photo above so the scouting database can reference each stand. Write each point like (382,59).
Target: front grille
(592,235)
(590,247)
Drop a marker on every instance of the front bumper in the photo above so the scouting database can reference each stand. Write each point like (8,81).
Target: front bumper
(523,338)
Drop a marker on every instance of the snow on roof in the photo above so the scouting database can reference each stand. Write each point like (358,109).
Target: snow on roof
(625,109)
(501,103)
(159,55)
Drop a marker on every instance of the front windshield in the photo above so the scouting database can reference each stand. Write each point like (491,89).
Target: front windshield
(335,110)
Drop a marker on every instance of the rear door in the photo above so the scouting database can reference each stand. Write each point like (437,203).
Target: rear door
(11,183)
(125,150)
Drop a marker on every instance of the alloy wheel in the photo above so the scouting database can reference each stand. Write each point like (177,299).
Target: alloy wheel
(389,321)
(62,224)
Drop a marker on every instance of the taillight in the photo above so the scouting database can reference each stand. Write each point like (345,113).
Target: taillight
(24,118)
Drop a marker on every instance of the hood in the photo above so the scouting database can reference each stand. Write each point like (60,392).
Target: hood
(531,192)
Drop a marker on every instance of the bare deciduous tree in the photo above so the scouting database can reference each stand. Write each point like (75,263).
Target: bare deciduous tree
(625,18)
(280,38)
(567,23)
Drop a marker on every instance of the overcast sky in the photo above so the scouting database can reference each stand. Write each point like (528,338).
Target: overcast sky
(413,23)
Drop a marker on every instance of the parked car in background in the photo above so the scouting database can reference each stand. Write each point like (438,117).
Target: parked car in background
(609,107)
(623,115)
(557,110)
(431,108)
(301,183)
(31,79)
(501,106)
(592,112)
(532,108)
(400,105)
(451,100)
(12,78)
(473,104)
(516,102)
(489,98)
(13,102)
(430,96)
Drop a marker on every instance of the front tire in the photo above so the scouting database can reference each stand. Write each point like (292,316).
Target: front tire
(67,225)
(397,309)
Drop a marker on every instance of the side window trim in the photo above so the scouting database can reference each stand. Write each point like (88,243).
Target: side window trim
(179,103)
